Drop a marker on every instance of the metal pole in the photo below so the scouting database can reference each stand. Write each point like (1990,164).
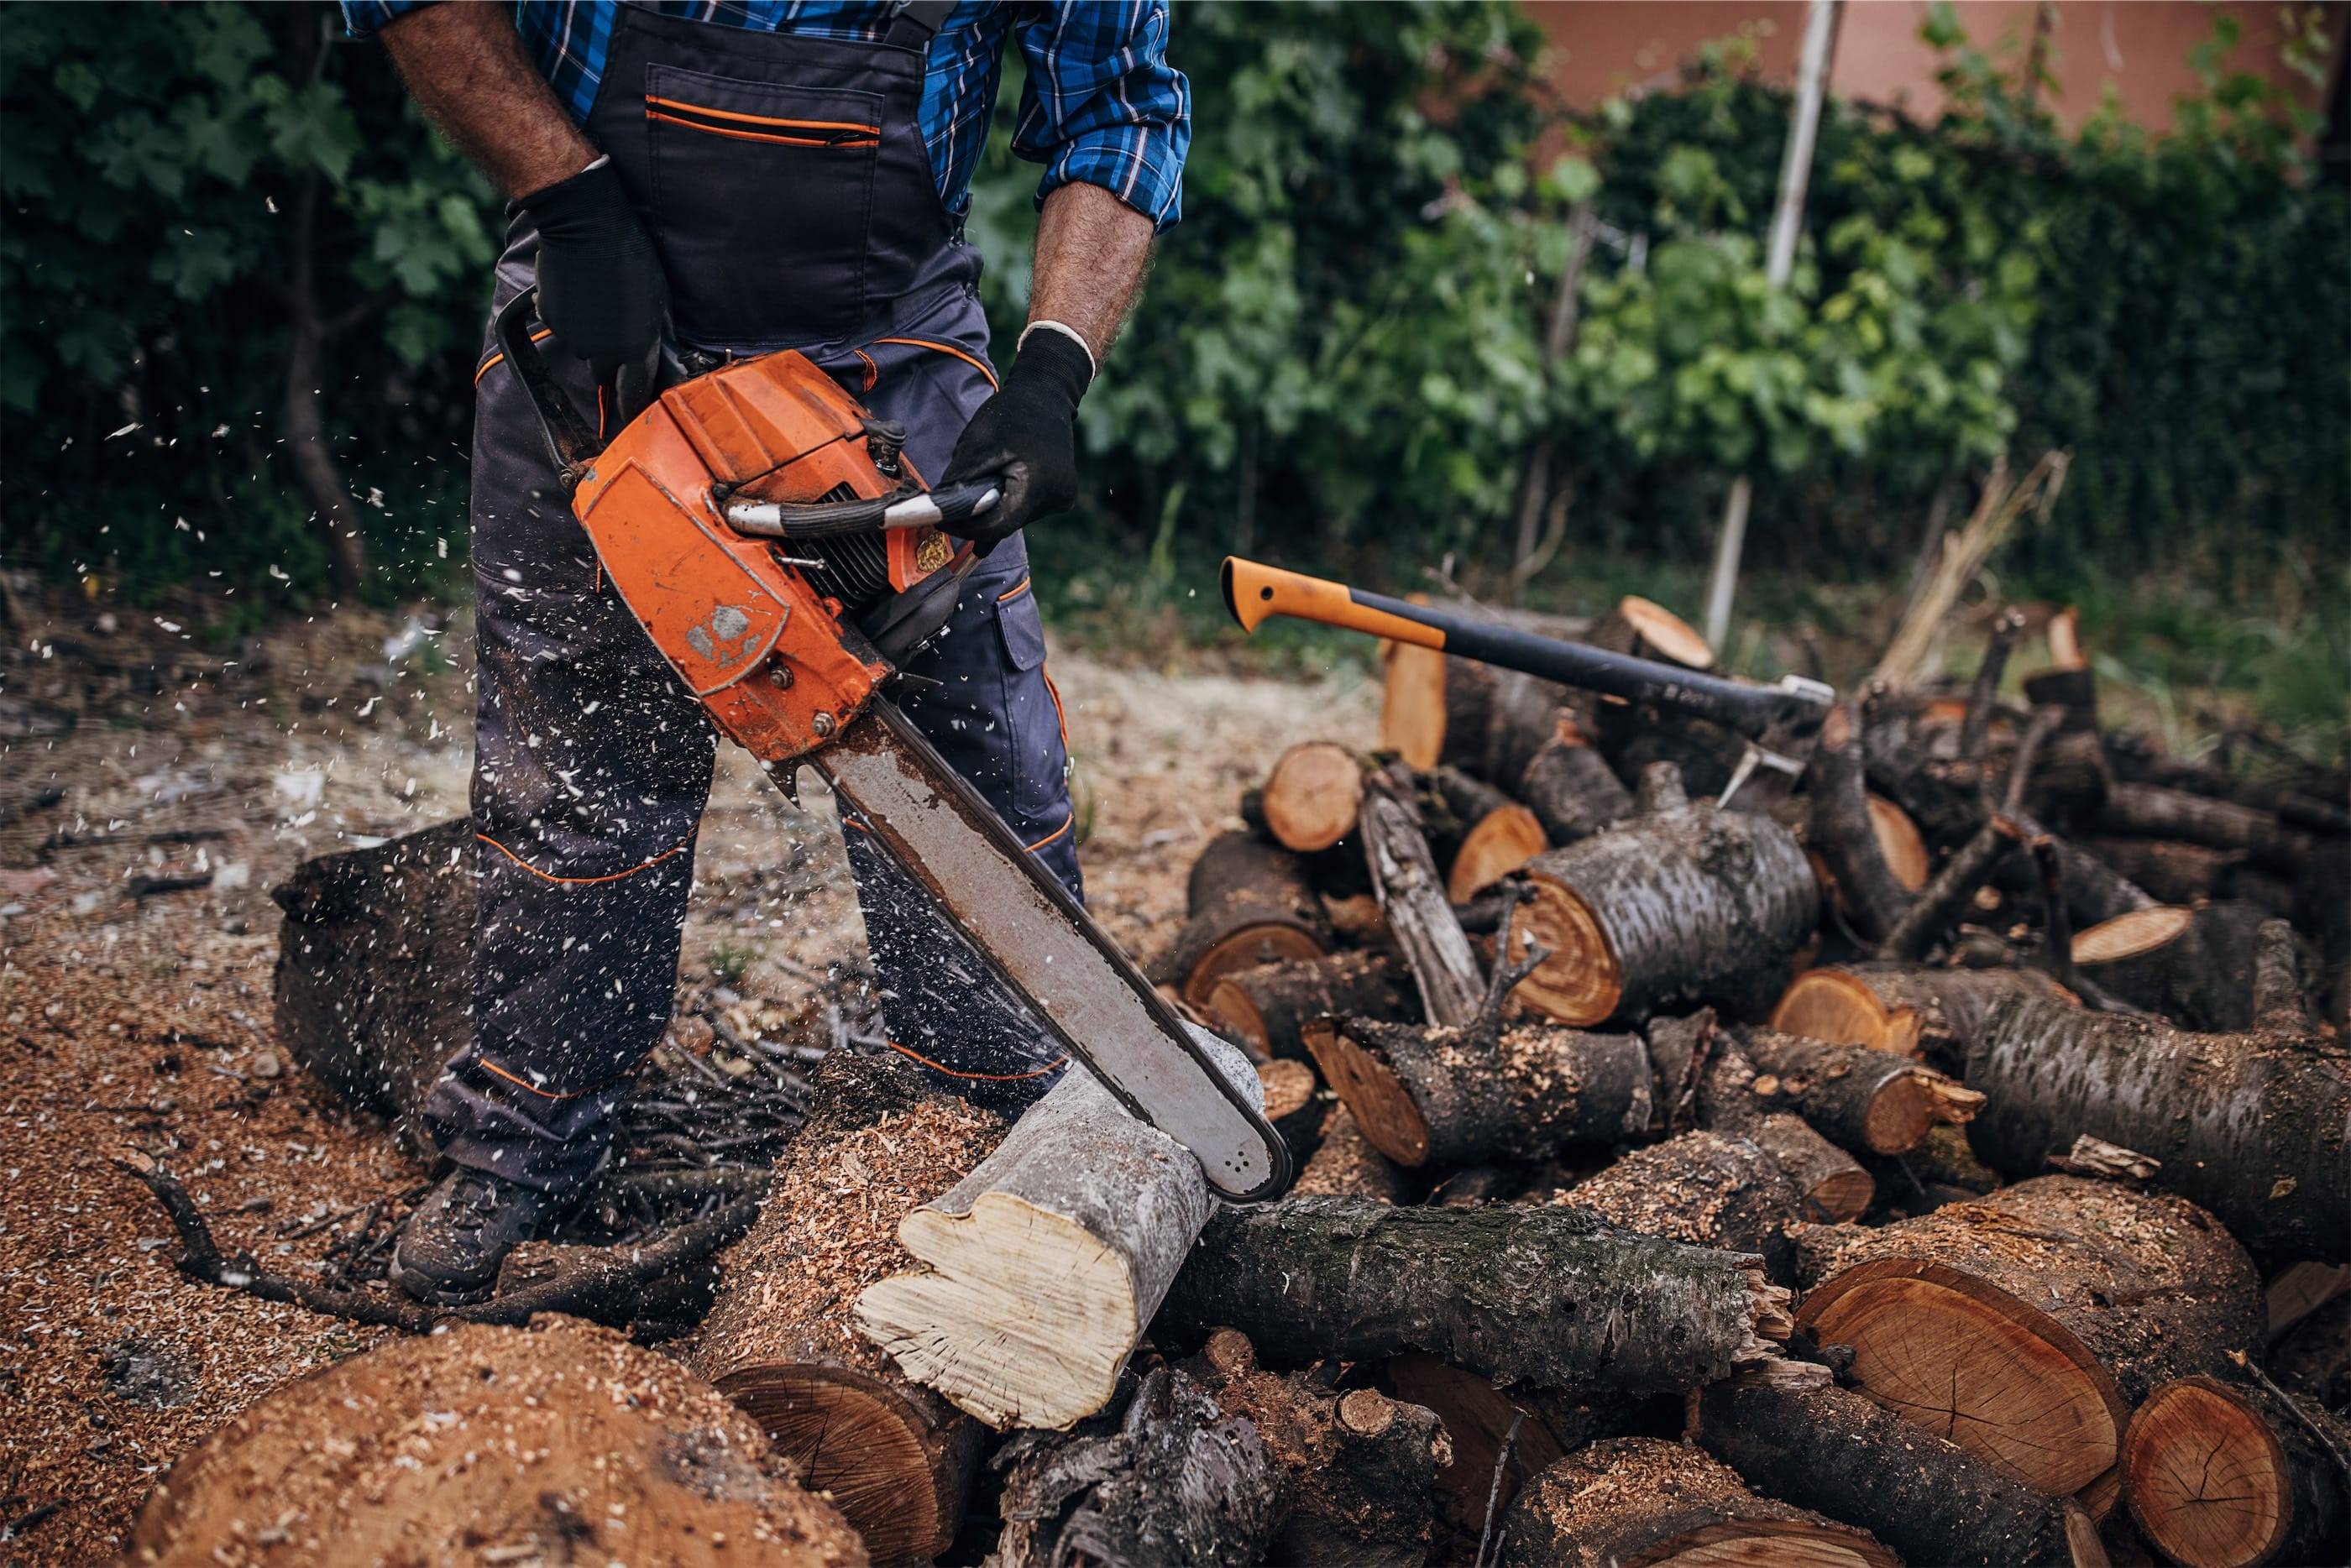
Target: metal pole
(1787,224)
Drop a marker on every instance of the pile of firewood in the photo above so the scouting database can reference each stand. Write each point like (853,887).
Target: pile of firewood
(1936,1158)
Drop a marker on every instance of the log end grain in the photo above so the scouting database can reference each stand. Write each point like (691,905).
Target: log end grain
(1312,796)
(1899,840)
(2205,1478)
(2131,934)
(1581,983)
(1501,841)
(1836,1006)
(1383,1110)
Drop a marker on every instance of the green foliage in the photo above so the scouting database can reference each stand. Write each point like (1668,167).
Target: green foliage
(155,160)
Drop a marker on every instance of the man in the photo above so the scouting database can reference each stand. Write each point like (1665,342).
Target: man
(745,176)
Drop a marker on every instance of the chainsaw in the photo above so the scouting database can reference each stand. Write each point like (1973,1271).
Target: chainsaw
(731,512)
(1779,722)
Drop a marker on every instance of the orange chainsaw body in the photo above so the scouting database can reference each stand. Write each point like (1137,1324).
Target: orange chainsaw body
(766,654)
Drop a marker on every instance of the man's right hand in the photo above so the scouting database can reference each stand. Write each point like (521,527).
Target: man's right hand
(601,287)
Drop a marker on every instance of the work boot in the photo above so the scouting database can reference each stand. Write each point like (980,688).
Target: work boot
(450,1250)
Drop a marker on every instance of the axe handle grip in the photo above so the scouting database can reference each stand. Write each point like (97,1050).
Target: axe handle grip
(1255,593)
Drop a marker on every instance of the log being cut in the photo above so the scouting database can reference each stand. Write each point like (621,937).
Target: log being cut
(2221,1474)
(1927,1498)
(897,1459)
(1683,903)
(1044,1265)
(556,1444)
(1546,1295)
(1361,1467)
(1641,1500)
(2255,1125)
(1250,903)
(2024,1326)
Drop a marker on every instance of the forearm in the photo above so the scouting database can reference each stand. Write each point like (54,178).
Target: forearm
(464,66)
(1093,251)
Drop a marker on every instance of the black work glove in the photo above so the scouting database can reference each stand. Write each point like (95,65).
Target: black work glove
(600,288)
(1026,438)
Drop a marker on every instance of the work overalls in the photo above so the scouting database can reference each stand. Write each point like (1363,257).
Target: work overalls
(785,184)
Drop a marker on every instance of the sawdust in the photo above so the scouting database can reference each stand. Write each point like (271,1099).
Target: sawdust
(129,756)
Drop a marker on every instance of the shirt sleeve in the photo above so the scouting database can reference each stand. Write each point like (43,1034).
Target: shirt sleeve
(365,18)
(1103,105)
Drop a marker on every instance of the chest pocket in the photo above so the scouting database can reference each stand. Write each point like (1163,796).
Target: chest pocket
(763,200)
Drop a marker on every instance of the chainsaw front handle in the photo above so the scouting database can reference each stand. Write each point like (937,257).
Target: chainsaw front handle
(829,519)
(1255,593)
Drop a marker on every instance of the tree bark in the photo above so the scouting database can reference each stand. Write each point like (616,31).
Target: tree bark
(1311,795)
(559,1442)
(2150,811)
(1939,904)
(2023,1326)
(2232,1475)
(1836,1451)
(1683,903)
(779,1341)
(1641,1499)
(1701,1071)
(1932,1014)
(1361,1466)
(2193,966)
(1444,969)
(1269,1007)
(1708,1189)
(1542,1295)
(1294,1102)
(370,994)
(1173,1482)
(1872,1102)
(2252,1125)
(1250,903)
(1570,786)
(1045,1264)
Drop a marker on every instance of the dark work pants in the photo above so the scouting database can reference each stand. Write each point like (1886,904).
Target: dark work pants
(592,765)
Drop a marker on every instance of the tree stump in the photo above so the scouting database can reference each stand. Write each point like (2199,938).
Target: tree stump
(370,992)
(1269,1008)
(780,1342)
(1641,1499)
(1044,1264)
(562,1442)
(2255,1125)
(1911,1009)
(1251,903)
(1683,903)
(2023,1326)
(2225,1475)
(1173,1482)
(1542,1295)
(1361,1467)
(1929,1499)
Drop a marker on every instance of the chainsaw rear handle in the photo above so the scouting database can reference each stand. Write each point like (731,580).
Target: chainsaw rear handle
(1255,593)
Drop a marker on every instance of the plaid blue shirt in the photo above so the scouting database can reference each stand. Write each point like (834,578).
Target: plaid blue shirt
(1102,106)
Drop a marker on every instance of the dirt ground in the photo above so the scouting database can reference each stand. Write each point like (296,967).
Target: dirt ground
(150,796)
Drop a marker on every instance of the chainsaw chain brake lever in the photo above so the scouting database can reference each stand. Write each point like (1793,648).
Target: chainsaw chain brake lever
(571,439)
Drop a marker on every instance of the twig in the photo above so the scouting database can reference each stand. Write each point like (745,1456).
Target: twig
(1985,694)
(2325,1439)
(2045,724)
(1939,902)
(1494,1492)
(2056,924)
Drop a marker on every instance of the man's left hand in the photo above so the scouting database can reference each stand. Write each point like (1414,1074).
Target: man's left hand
(1026,438)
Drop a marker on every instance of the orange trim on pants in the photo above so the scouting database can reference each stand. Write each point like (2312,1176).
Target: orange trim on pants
(541,335)
(583,881)
(1054,1065)
(976,364)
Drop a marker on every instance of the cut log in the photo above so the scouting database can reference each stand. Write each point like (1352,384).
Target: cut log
(1869,1101)
(897,1459)
(1361,1466)
(1310,797)
(2150,811)
(2254,1126)
(1913,1011)
(2023,1326)
(1683,903)
(2225,1475)
(1251,903)
(1538,1426)
(1543,1294)
(2193,966)
(1435,1095)
(562,1442)
(1709,1189)
(1641,1499)
(1269,1007)
(1047,1261)
(1485,721)
(1647,630)
(1570,786)
(1172,1482)
(1836,1451)
(1347,1166)
(369,990)
(1486,837)
(2173,872)
(1701,1070)
(1847,830)
(1421,920)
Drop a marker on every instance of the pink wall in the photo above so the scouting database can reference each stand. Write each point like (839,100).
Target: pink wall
(2139,46)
